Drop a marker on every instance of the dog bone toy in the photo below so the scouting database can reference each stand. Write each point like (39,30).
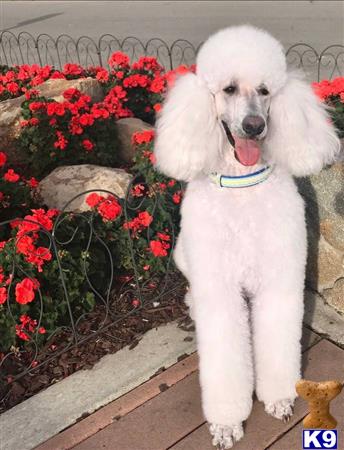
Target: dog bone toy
(318,396)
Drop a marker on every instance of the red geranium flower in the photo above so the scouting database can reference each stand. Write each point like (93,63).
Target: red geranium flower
(11,176)
(102,76)
(177,196)
(94,199)
(38,256)
(88,145)
(3,159)
(3,295)
(32,182)
(71,94)
(72,69)
(25,245)
(119,59)
(56,108)
(110,209)
(158,85)
(145,218)
(25,291)
(158,248)
(143,137)
(163,236)
(36,106)
(13,88)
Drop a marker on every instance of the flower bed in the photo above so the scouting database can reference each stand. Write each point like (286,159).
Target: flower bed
(57,268)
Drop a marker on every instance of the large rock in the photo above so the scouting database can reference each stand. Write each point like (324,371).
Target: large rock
(10,110)
(335,296)
(325,264)
(64,183)
(126,128)
(324,196)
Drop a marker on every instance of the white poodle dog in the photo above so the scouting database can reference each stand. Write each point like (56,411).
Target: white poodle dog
(237,131)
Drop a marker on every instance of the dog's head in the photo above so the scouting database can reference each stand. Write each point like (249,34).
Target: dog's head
(242,107)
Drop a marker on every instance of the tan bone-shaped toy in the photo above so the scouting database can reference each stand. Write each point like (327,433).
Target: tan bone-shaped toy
(318,396)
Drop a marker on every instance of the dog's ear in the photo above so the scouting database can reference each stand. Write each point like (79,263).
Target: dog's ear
(301,136)
(188,134)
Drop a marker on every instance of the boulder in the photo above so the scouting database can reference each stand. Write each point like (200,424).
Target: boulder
(325,264)
(335,296)
(126,128)
(64,183)
(324,196)
(10,110)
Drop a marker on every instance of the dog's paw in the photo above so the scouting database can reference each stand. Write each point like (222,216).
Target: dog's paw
(225,437)
(282,409)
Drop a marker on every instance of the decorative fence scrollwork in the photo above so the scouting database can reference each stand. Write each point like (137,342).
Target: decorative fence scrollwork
(113,294)
(44,49)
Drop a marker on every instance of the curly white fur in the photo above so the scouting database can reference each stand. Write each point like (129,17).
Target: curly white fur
(249,240)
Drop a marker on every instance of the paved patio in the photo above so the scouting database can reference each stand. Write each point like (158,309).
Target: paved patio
(165,412)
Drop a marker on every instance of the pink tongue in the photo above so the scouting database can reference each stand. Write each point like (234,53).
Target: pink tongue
(247,151)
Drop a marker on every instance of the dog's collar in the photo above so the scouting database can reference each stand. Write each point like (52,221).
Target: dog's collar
(241,181)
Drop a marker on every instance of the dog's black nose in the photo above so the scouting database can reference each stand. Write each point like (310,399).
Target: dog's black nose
(253,125)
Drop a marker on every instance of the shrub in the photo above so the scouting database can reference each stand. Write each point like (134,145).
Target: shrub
(17,193)
(73,131)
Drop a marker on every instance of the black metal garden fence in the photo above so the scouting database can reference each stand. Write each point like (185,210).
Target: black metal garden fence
(24,48)
(113,295)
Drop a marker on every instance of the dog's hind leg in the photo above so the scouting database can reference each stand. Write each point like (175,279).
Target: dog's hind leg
(179,258)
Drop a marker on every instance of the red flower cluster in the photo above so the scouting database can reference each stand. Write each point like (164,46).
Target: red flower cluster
(25,291)
(330,88)
(26,327)
(114,102)
(142,137)
(119,59)
(148,63)
(138,223)
(137,190)
(177,196)
(160,246)
(11,176)
(19,79)
(3,159)
(27,236)
(108,207)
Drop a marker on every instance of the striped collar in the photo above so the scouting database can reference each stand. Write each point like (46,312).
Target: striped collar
(241,181)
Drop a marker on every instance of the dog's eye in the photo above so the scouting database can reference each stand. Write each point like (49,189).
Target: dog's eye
(230,89)
(263,91)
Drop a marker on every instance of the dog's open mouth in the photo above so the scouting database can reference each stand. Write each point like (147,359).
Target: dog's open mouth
(247,151)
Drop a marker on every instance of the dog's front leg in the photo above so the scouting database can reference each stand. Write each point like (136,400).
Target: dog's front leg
(277,324)
(226,373)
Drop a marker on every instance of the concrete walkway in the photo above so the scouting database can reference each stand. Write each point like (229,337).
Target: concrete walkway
(165,412)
